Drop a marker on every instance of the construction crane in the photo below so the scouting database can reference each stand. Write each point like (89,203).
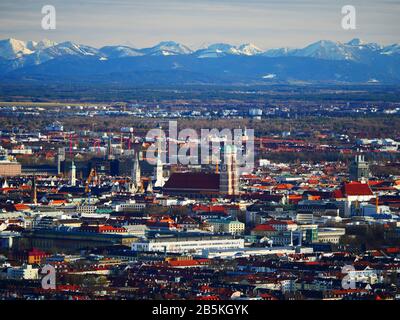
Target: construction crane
(89,180)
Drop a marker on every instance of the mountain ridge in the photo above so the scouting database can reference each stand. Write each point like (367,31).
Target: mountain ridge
(329,61)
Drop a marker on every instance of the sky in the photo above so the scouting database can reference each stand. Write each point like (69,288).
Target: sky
(197,23)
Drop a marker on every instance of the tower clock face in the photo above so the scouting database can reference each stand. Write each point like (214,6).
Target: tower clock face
(224,168)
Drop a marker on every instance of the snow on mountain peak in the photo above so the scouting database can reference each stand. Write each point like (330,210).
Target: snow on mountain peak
(31,52)
(249,49)
(13,48)
(167,48)
(120,51)
(45,43)
(221,49)
(326,49)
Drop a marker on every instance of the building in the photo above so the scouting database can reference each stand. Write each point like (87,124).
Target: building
(229,175)
(86,209)
(201,184)
(263,230)
(9,168)
(252,252)
(101,228)
(131,206)
(137,175)
(187,242)
(283,225)
(318,208)
(330,235)
(72,239)
(359,169)
(159,171)
(60,159)
(305,218)
(36,256)
(192,184)
(25,272)
(352,192)
(310,232)
(226,226)
(287,238)
(73,174)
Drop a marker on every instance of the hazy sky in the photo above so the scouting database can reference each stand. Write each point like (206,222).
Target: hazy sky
(141,23)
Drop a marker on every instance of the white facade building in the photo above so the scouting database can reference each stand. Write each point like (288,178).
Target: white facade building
(187,245)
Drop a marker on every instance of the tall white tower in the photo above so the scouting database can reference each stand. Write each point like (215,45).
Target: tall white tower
(73,174)
(229,173)
(159,170)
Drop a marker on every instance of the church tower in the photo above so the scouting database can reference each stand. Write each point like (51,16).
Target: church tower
(359,169)
(73,174)
(159,170)
(229,173)
(136,173)
(60,159)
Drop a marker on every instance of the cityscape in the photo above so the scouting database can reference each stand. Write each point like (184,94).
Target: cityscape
(209,174)
(86,201)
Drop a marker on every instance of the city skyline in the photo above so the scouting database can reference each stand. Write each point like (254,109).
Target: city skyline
(215,154)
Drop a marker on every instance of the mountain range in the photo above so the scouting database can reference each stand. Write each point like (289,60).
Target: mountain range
(170,62)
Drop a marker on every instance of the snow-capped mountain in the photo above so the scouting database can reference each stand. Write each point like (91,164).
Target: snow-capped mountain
(223,49)
(12,48)
(278,52)
(217,50)
(354,50)
(353,61)
(249,49)
(63,49)
(324,49)
(167,48)
(120,52)
(71,48)
(393,49)
(44,44)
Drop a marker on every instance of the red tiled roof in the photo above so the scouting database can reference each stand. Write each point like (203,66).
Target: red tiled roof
(393,250)
(284,186)
(187,263)
(353,189)
(264,227)
(57,202)
(21,207)
(337,194)
(356,189)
